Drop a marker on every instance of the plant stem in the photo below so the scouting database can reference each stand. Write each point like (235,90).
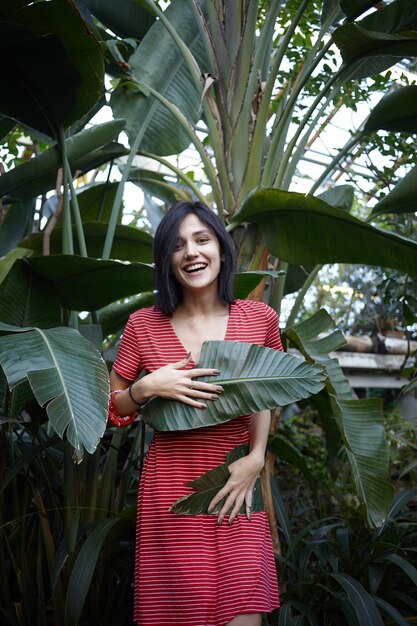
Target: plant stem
(301,294)
(76,211)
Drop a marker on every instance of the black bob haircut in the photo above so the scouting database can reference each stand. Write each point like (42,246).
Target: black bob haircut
(169,291)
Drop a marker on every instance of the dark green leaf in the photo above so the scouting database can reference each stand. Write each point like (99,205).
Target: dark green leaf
(114,316)
(253,378)
(83,570)
(6,125)
(15,225)
(363,604)
(207,486)
(37,71)
(157,62)
(285,451)
(85,284)
(38,175)
(130,244)
(341,197)
(328,235)
(28,300)
(402,199)
(392,612)
(247,281)
(66,374)
(83,50)
(354,8)
(396,111)
(126,19)
(382,49)
(359,421)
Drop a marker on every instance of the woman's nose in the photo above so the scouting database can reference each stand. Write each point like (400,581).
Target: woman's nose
(190,250)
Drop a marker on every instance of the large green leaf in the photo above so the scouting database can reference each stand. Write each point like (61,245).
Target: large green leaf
(359,421)
(84,567)
(247,281)
(396,111)
(126,19)
(253,378)
(130,244)
(15,225)
(341,197)
(37,71)
(361,601)
(6,125)
(66,374)
(28,300)
(114,316)
(402,199)
(328,235)
(85,284)
(157,62)
(7,261)
(39,174)
(207,486)
(378,40)
(53,53)
(382,49)
(354,8)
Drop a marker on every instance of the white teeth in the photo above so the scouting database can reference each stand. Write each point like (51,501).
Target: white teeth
(197,266)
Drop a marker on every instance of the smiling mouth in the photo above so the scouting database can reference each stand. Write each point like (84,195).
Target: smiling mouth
(197,267)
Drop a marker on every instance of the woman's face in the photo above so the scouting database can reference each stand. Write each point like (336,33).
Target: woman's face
(196,259)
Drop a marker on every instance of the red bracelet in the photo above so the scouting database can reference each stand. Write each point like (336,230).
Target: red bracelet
(114,417)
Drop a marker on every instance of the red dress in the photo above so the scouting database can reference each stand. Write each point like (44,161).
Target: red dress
(189,571)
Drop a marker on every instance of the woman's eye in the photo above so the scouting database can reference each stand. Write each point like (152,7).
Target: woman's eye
(177,247)
(202,240)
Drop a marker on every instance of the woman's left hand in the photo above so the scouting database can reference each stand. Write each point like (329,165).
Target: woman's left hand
(239,487)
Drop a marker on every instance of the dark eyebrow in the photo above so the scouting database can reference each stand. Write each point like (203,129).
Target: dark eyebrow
(197,233)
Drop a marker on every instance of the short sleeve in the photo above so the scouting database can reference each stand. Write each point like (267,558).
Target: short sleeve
(128,362)
(273,335)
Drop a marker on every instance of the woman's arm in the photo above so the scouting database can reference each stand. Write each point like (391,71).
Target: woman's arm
(170,382)
(244,471)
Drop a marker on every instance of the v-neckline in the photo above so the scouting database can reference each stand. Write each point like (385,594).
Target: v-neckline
(192,362)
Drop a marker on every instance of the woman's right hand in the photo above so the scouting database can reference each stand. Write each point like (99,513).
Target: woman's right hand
(175,383)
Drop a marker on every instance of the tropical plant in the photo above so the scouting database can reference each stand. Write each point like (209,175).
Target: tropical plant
(247,88)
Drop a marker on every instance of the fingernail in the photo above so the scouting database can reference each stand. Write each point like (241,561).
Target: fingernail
(214,397)
(203,406)
(219,389)
(216,372)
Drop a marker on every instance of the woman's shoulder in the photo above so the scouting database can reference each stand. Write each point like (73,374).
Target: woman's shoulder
(147,315)
(254,307)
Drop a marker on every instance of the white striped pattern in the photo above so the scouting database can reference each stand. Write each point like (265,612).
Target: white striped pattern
(189,570)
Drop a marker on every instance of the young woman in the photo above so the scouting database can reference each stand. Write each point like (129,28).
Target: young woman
(202,570)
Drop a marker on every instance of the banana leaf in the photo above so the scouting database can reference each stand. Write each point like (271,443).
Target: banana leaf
(50,53)
(39,174)
(85,284)
(207,486)
(361,601)
(396,111)
(253,378)
(66,373)
(28,300)
(15,225)
(328,234)
(130,244)
(402,199)
(157,62)
(359,421)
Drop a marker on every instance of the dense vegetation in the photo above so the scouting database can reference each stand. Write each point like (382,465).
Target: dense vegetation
(249,90)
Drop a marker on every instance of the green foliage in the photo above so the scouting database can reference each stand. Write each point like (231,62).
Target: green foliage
(260,90)
(253,377)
